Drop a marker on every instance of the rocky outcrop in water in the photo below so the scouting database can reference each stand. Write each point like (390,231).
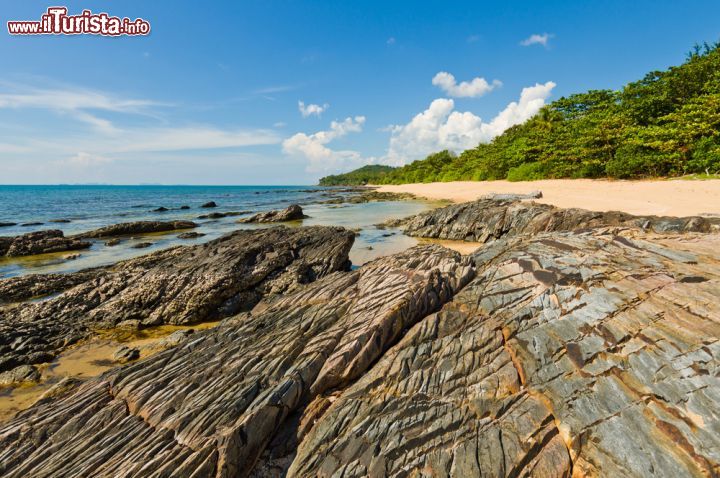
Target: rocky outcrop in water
(181,285)
(489,219)
(17,289)
(40,242)
(138,227)
(211,406)
(291,213)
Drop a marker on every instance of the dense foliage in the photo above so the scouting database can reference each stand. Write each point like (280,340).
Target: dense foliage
(667,124)
(373,173)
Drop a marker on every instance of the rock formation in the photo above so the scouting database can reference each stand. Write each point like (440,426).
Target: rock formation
(139,227)
(181,285)
(210,406)
(40,242)
(291,213)
(488,219)
(563,347)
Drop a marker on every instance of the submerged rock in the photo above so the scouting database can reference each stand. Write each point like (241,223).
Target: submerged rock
(291,213)
(190,235)
(139,227)
(60,221)
(181,285)
(126,354)
(7,224)
(209,204)
(488,219)
(161,209)
(23,373)
(40,242)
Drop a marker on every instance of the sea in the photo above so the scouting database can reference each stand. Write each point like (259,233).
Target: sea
(88,207)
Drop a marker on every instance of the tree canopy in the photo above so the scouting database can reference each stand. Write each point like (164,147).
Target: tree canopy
(666,124)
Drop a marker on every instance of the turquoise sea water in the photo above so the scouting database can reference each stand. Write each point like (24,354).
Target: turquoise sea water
(90,207)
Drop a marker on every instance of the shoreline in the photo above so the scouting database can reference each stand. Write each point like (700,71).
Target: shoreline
(648,197)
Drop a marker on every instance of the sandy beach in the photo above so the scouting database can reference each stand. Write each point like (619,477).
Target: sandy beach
(662,198)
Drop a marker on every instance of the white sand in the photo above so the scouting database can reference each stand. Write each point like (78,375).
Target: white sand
(662,198)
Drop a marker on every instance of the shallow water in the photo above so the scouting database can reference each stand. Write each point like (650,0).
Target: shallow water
(90,207)
(85,360)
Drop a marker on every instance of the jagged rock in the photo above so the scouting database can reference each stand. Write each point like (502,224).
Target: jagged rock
(488,219)
(181,285)
(210,406)
(586,353)
(139,227)
(190,235)
(23,373)
(126,354)
(39,242)
(366,196)
(209,204)
(291,213)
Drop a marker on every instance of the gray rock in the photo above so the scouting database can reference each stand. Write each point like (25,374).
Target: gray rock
(209,204)
(291,213)
(40,242)
(139,227)
(486,219)
(142,245)
(181,285)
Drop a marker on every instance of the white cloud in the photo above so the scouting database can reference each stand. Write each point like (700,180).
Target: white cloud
(311,109)
(472,89)
(390,41)
(314,146)
(440,127)
(537,39)
(77,103)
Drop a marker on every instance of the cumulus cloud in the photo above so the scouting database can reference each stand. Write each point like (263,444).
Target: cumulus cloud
(314,146)
(537,39)
(441,127)
(466,89)
(311,109)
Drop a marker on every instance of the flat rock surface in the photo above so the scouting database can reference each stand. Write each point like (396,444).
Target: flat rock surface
(583,354)
(181,285)
(40,242)
(488,219)
(210,406)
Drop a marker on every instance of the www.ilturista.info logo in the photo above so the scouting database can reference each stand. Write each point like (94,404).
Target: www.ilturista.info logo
(57,22)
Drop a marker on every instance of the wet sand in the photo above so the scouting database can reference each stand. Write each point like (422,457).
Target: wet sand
(657,197)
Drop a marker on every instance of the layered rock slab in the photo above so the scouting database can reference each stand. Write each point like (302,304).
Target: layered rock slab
(181,285)
(570,354)
(210,406)
(488,219)
(39,242)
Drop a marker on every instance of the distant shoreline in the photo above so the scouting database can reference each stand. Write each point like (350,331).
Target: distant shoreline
(647,197)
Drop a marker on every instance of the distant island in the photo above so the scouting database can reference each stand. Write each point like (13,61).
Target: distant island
(664,125)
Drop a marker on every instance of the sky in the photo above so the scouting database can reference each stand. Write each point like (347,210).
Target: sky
(285,92)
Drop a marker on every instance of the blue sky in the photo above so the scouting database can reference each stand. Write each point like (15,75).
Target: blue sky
(212,95)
